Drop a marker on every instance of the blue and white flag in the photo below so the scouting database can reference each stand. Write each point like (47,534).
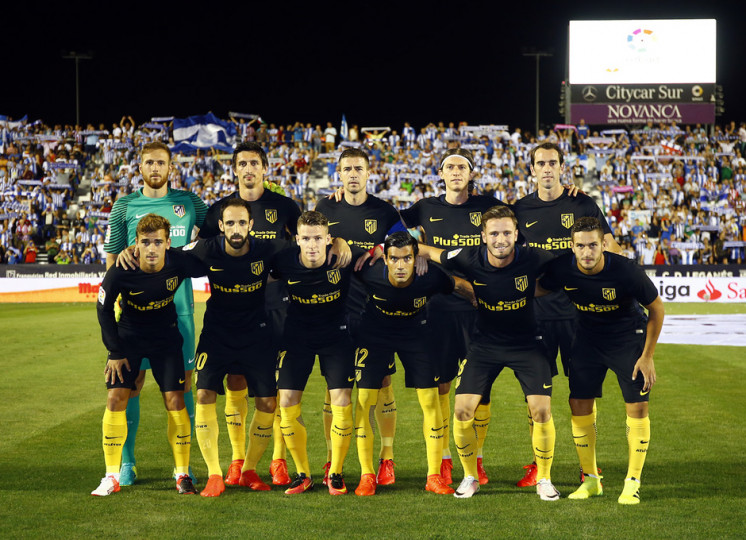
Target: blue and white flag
(343,131)
(204,131)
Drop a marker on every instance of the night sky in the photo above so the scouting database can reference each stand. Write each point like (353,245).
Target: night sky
(379,63)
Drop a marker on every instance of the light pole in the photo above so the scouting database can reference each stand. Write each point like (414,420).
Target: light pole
(72,55)
(537,55)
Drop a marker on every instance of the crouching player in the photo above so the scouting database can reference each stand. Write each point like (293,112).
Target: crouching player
(504,278)
(147,328)
(613,333)
(394,322)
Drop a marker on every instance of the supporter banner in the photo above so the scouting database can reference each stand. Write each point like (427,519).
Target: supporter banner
(641,93)
(641,113)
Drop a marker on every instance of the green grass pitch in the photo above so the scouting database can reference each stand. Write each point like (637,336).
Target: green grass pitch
(53,399)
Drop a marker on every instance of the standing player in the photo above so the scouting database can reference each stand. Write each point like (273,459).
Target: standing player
(235,339)
(147,328)
(613,333)
(315,325)
(545,218)
(450,221)
(504,278)
(364,221)
(394,322)
(275,217)
(186,212)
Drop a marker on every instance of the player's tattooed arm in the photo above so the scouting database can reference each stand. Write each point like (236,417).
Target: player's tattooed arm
(465,289)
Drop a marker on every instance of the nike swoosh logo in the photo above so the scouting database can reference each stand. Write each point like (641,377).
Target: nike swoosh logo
(542,451)
(392,364)
(350,379)
(181,381)
(263,428)
(182,436)
(234,414)
(136,293)
(436,219)
(645,442)
(138,216)
(644,393)
(293,282)
(480,419)
(436,429)
(571,288)
(388,404)
(381,299)
(578,436)
(334,223)
(213,269)
(436,379)
(109,438)
(547,385)
(531,224)
(461,447)
(479,284)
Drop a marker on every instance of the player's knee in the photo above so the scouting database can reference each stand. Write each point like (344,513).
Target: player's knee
(444,388)
(463,413)
(117,401)
(236,383)
(266,404)
(174,401)
(541,413)
(206,397)
(341,397)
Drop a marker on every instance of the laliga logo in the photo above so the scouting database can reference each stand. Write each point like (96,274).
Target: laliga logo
(709,293)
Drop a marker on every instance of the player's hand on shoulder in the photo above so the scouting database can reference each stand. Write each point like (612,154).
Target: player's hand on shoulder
(337,195)
(341,250)
(572,190)
(420,265)
(128,259)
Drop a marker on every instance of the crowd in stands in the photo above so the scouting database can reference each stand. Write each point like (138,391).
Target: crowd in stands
(672,195)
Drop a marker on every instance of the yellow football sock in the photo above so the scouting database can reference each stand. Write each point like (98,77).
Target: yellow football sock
(465,438)
(386,419)
(206,428)
(584,435)
(236,409)
(530,427)
(543,441)
(638,439)
(278,448)
(260,431)
(114,433)
(180,439)
(482,418)
(327,410)
(445,414)
(432,427)
(295,436)
(366,403)
(341,434)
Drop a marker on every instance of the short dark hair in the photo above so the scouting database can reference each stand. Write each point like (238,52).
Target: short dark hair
(237,202)
(155,145)
(354,153)
(251,147)
(312,218)
(545,146)
(498,212)
(400,239)
(151,223)
(587,224)
(463,152)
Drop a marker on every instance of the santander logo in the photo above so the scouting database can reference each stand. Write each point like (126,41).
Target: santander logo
(709,293)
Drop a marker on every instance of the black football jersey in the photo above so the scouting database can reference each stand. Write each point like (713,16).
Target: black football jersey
(504,295)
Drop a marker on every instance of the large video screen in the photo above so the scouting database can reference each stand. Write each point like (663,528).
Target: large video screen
(643,51)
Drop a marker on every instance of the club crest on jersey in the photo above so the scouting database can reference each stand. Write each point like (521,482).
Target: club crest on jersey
(521,283)
(608,294)
(172,283)
(257,267)
(371,225)
(179,210)
(271,215)
(567,220)
(333,276)
(419,302)
(475,218)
